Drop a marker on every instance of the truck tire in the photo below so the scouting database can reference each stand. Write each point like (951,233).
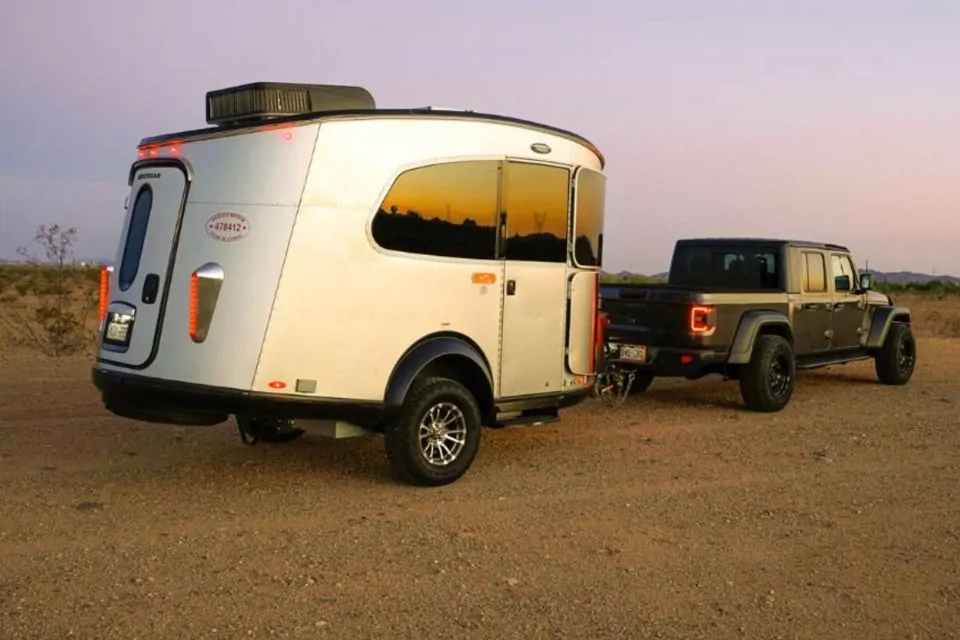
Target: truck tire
(767,381)
(898,356)
(436,435)
(641,381)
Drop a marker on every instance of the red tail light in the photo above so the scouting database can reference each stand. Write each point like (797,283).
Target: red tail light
(701,319)
(104,291)
(192,308)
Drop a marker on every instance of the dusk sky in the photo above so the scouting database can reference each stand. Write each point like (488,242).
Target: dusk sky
(836,121)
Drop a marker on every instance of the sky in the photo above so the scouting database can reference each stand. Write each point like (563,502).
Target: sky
(824,120)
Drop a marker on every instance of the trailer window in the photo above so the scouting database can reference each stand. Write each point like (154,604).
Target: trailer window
(814,272)
(136,233)
(726,267)
(591,203)
(447,209)
(536,199)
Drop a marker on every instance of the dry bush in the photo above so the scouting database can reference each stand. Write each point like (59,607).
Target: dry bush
(51,303)
(934,315)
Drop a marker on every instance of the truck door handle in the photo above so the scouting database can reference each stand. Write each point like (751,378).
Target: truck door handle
(811,305)
(151,285)
(511,287)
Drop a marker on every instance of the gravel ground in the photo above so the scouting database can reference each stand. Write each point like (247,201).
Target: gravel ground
(678,515)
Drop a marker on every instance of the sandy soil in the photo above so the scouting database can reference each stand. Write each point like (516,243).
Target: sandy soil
(678,515)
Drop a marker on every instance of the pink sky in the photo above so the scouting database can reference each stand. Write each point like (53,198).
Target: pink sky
(835,121)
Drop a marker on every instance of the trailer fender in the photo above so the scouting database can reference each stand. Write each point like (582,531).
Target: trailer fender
(452,355)
(880,323)
(752,324)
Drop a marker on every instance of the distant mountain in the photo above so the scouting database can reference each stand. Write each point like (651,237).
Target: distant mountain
(901,277)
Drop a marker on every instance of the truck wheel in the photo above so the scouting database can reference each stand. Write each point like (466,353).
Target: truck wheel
(641,381)
(898,356)
(767,381)
(437,434)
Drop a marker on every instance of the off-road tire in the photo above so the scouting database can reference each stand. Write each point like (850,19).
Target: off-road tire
(641,381)
(760,387)
(897,357)
(402,436)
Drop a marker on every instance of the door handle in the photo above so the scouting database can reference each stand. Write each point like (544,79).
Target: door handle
(511,287)
(151,285)
(811,305)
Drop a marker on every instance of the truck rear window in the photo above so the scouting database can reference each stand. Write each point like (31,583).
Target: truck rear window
(726,267)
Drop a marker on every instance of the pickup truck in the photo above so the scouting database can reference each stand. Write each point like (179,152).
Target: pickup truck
(756,311)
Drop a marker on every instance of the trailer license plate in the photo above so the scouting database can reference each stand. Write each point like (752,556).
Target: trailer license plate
(118,328)
(633,352)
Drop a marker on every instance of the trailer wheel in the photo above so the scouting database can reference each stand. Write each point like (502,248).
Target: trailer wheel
(767,381)
(436,436)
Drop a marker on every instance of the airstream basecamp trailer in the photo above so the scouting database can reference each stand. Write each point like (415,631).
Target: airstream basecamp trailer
(312,262)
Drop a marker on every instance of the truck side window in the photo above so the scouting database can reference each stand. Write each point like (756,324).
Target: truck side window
(536,199)
(842,266)
(588,223)
(447,209)
(814,272)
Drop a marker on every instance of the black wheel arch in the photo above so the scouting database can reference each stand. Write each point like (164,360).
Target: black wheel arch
(880,322)
(443,354)
(754,323)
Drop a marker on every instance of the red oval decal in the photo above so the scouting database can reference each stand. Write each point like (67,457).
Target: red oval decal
(277,384)
(227,226)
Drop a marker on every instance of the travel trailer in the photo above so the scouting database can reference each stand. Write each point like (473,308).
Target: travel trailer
(313,263)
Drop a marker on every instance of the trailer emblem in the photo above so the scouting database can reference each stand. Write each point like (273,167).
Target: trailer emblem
(540,147)
(227,227)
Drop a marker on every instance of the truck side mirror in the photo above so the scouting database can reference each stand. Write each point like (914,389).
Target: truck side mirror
(841,283)
(865,282)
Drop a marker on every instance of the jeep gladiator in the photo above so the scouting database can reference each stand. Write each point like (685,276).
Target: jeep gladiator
(756,311)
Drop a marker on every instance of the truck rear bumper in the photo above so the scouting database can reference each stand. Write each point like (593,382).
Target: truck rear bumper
(172,402)
(671,362)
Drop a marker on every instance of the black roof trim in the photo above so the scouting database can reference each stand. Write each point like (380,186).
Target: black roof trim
(310,118)
(808,244)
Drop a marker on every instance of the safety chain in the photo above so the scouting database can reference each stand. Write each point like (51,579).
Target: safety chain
(612,385)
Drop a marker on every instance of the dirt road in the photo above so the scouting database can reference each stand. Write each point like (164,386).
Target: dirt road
(676,516)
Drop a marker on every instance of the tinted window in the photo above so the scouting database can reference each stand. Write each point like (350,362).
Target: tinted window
(536,199)
(445,209)
(814,273)
(588,234)
(136,233)
(726,267)
(842,266)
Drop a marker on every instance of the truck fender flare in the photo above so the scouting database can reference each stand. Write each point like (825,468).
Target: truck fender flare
(751,322)
(427,350)
(880,323)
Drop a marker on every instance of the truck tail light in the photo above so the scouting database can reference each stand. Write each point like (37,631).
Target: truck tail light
(701,319)
(105,272)
(205,284)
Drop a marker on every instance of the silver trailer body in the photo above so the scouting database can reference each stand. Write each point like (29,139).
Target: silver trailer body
(319,268)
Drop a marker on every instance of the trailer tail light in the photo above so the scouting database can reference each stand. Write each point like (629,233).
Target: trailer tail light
(205,284)
(701,319)
(595,326)
(105,272)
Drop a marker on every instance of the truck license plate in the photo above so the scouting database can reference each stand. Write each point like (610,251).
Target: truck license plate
(634,352)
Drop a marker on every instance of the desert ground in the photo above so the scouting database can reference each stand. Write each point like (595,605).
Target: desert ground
(676,515)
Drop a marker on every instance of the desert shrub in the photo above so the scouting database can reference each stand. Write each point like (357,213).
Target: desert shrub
(57,323)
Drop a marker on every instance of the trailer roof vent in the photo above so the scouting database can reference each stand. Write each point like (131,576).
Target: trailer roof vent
(260,101)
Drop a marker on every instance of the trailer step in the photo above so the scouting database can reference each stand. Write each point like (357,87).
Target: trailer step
(530,417)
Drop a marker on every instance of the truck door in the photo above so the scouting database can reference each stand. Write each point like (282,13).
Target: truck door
(136,289)
(849,308)
(535,205)
(815,316)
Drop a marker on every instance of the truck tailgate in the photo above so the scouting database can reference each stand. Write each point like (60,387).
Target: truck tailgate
(648,315)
